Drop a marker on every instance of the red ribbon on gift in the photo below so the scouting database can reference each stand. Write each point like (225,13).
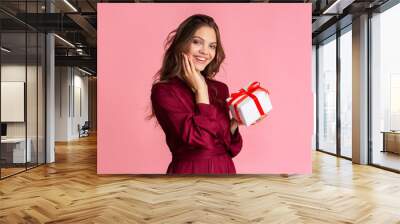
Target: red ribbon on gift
(244,93)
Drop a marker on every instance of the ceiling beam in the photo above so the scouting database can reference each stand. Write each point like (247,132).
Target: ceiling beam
(337,7)
(86,26)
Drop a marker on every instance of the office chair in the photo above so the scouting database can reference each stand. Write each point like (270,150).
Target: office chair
(84,130)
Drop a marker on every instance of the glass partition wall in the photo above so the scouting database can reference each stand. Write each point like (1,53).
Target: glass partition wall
(22,88)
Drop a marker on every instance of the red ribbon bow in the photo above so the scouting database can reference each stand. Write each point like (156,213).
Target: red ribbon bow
(249,92)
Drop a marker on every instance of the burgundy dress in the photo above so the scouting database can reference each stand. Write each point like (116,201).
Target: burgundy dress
(197,134)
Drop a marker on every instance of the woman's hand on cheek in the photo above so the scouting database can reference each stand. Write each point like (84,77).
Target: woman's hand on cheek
(193,78)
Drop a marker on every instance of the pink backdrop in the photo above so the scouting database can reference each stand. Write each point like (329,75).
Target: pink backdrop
(269,43)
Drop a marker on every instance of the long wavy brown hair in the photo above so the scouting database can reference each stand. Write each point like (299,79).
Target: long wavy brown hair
(178,41)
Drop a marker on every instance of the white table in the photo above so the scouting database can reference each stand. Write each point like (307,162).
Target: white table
(18,150)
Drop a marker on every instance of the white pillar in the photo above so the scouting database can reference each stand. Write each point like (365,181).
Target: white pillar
(360,90)
(50,91)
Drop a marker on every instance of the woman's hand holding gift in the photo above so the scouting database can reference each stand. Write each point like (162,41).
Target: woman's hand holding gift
(234,125)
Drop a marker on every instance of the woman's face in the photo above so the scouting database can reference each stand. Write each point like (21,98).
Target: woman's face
(202,47)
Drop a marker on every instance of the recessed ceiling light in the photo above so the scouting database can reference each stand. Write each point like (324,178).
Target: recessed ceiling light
(5,50)
(84,71)
(338,6)
(64,40)
(70,5)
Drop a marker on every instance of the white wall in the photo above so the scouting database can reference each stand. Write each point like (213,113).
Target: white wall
(61,103)
(80,84)
(14,72)
(70,83)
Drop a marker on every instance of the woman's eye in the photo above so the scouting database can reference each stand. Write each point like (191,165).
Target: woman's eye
(196,41)
(213,47)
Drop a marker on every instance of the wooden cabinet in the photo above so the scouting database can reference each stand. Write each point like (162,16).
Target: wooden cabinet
(391,142)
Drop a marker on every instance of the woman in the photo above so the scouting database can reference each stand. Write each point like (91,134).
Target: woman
(190,105)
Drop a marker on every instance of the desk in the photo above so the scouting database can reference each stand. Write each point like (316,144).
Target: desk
(391,141)
(13,150)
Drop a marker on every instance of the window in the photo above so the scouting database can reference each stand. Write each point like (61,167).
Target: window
(327,95)
(385,88)
(346,74)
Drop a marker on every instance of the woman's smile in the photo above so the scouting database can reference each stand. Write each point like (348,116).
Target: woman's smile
(200,60)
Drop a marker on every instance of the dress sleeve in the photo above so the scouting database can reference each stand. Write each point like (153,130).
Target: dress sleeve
(236,142)
(197,128)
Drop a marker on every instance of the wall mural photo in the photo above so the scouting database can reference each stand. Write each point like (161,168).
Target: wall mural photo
(207,88)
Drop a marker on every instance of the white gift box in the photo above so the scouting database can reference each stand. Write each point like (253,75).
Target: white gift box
(247,108)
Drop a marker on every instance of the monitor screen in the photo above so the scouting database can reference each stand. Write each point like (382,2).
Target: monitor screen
(3,129)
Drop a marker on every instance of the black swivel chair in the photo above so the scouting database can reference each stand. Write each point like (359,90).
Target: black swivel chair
(84,130)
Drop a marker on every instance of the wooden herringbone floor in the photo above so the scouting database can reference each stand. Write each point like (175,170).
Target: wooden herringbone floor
(70,191)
